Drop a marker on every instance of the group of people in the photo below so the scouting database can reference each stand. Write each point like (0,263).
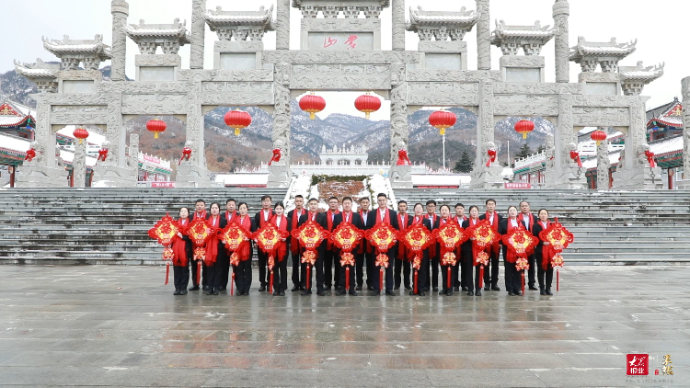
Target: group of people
(465,274)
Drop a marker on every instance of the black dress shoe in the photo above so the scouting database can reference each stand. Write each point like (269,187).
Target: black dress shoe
(353,292)
(276,293)
(470,293)
(359,288)
(370,288)
(495,288)
(295,288)
(436,288)
(194,288)
(548,291)
(478,293)
(464,289)
(376,293)
(518,293)
(390,293)
(442,292)
(306,292)
(412,293)
(457,289)
(209,292)
(449,293)
(215,291)
(408,288)
(532,288)
(487,288)
(263,287)
(183,292)
(421,293)
(340,293)
(510,293)
(177,292)
(281,293)
(320,293)
(222,288)
(542,292)
(206,288)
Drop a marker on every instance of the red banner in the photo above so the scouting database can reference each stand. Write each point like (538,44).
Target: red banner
(162,185)
(517,185)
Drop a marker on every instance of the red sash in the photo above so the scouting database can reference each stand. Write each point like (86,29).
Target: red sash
(329,219)
(212,243)
(511,257)
(432,248)
(386,217)
(530,225)
(228,218)
(262,217)
(494,226)
(347,217)
(243,250)
(179,246)
(281,248)
(547,251)
(294,245)
(197,215)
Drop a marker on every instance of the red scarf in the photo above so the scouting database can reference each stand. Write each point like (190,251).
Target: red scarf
(547,251)
(330,218)
(294,245)
(179,246)
(494,226)
(347,217)
(475,249)
(199,215)
(246,224)
(312,216)
(511,257)
(402,225)
(212,243)
(386,218)
(418,220)
(262,217)
(229,217)
(432,247)
(281,248)
(530,224)
(364,244)
(459,221)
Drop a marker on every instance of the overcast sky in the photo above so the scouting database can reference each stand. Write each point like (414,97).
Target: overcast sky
(657,26)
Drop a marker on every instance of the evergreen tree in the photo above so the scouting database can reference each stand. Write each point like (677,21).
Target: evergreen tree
(524,152)
(464,164)
(541,148)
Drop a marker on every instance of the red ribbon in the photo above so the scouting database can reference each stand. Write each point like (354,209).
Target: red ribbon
(492,157)
(186,154)
(574,155)
(180,253)
(102,154)
(275,157)
(30,154)
(650,158)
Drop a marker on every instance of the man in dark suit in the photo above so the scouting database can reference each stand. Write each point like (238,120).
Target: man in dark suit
(229,216)
(199,213)
(459,218)
(349,217)
(402,261)
(423,275)
(384,215)
(364,259)
(260,219)
(434,250)
(529,220)
(319,218)
(331,265)
(491,272)
(295,251)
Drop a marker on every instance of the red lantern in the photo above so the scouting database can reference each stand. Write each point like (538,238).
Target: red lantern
(156,126)
(442,120)
(598,136)
(81,134)
(238,119)
(524,127)
(313,104)
(367,104)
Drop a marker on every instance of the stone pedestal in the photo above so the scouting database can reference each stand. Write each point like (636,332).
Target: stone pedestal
(645,178)
(487,177)
(571,177)
(683,184)
(400,177)
(109,174)
(31,175)
(189,175)
(279,175)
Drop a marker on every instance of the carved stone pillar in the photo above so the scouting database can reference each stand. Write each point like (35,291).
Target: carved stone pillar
(194,173)
(79,165)
(196,58)
(283,25)
(484,177)
(562,172)
(561,12)
(279,174)
(115,134)
(400,176)
(685,183)
(120,10)
(603,166)
(398,9)
(633,171)
(484,35)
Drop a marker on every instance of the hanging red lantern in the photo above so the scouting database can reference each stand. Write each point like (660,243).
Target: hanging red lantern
(442,120)
(598,136)
(238,119)
(81,134)
(524,127)
(312,104)
(367,104)
(156,126)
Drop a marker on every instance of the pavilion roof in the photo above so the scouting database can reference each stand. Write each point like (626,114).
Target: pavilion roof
(612,48)
(505,32)
(66,46)
(219,18)
(175,30)
(464,18)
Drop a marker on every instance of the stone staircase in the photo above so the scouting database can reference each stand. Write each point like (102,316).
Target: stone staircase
(609,227)
(98,226)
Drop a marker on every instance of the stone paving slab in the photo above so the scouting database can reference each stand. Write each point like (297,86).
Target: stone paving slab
(121,327)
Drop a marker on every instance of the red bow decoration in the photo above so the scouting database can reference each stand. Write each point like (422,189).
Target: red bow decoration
(403,159)
(346,236)
(558,238)
(165,231)
(186,154)
(276,156)
(382,237)
(492,157)
(30,154)
(574,155)
(233,236)
(650,158)
(267,238)
(102,154)
(449,236)
(309,236)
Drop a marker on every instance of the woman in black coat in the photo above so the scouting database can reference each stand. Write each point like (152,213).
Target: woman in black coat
(543,254)
(468,255)
(512,275)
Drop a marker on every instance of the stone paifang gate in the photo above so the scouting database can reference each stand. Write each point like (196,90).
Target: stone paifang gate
(341,53)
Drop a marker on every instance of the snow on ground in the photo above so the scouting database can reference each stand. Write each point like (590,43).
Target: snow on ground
(300,186)
(379,184)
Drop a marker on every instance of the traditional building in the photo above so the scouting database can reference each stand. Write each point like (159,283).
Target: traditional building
(16,119)
(665,121)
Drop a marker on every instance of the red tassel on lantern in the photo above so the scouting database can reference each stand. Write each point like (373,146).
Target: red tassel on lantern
(232,283)
(308,276)
(558,279)
(449,277)
(381,279)
(270,281)
(522,282)
(415,280)
(481,276)
(167,272)
(198,272)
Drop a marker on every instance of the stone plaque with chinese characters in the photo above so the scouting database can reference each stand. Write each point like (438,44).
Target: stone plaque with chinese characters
(341,41)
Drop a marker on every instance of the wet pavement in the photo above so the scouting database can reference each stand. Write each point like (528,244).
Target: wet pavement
(120,326)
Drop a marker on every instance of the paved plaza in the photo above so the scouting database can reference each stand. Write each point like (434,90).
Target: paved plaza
(120,326)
